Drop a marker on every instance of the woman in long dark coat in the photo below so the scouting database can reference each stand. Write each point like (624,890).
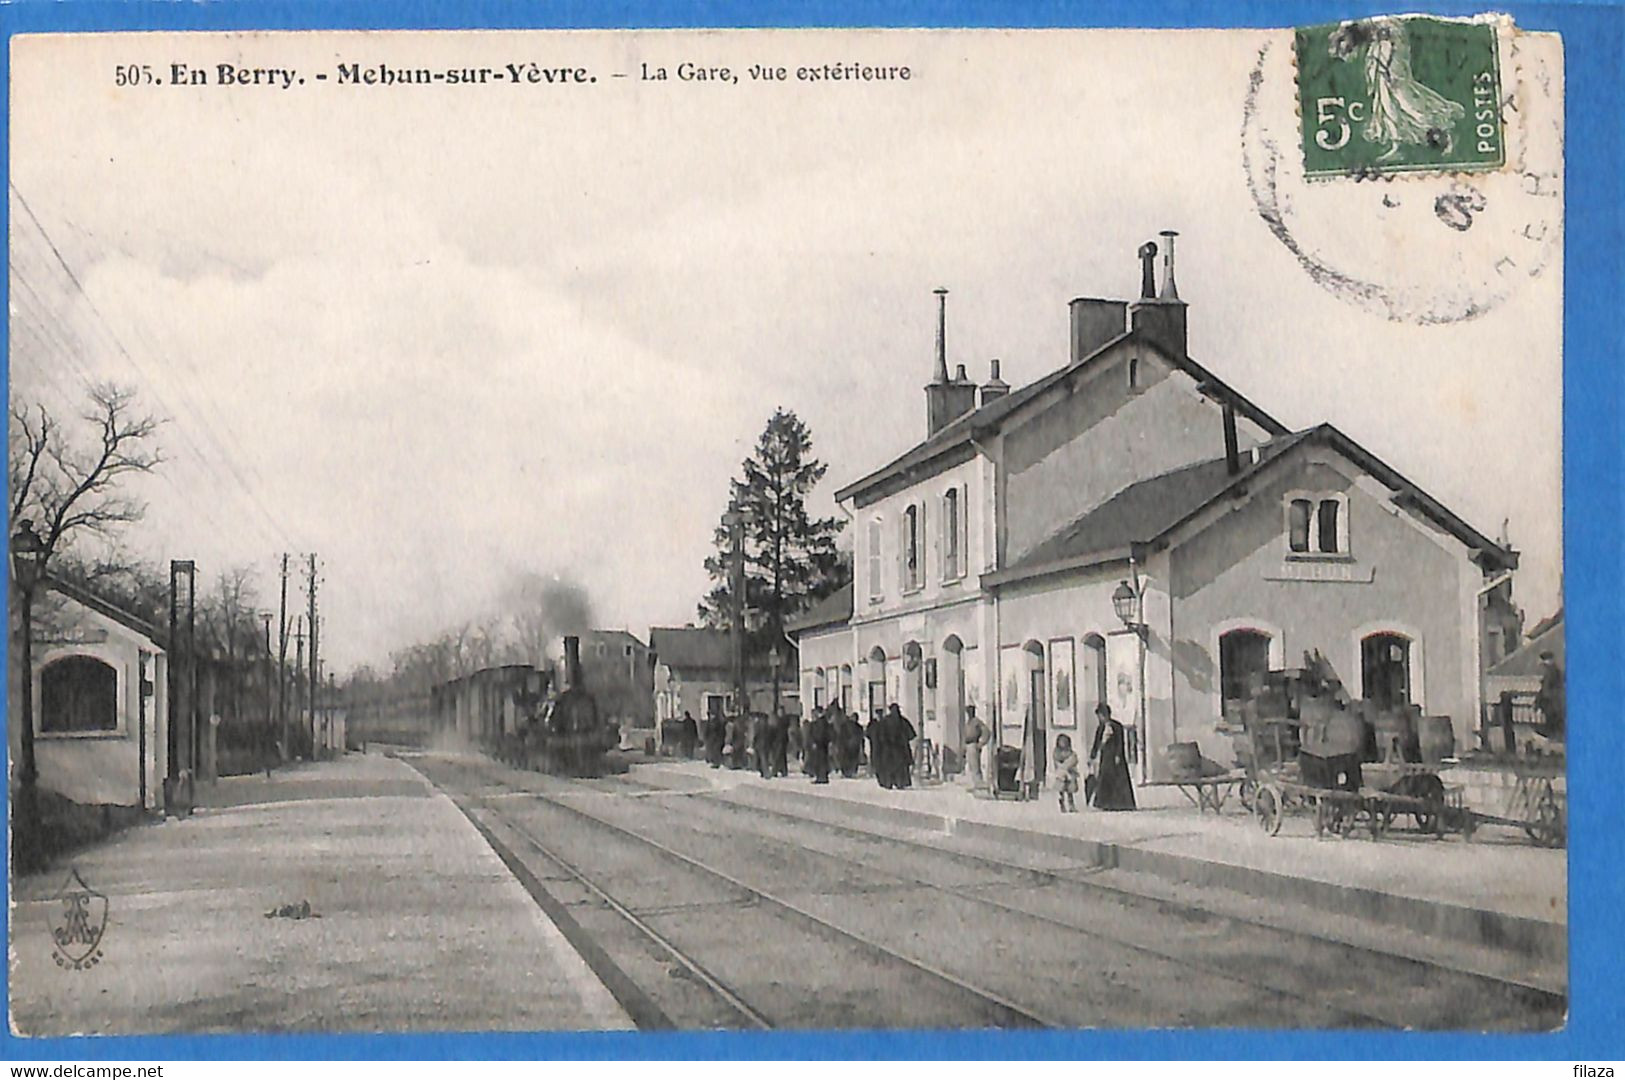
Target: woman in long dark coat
(900,747)
(848,742)
(1109,756)
(879,750)
(816,744)
(716,733)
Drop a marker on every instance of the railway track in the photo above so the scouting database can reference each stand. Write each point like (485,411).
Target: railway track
(759,947)
(1053,948)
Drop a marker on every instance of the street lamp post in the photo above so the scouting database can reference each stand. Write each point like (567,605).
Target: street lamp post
(1128,602)
(775,658)
(28,554)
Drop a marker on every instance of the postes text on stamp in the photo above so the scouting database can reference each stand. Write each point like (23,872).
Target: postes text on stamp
(1399,94)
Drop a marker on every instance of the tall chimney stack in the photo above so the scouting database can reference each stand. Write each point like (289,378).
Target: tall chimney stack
(1160,319)
(946,401)
(572,662)
(1169,290)
(1148,270)
(995,387)
(940,375)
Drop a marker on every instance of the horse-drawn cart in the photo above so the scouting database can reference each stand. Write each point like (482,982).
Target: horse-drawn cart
(1354,767)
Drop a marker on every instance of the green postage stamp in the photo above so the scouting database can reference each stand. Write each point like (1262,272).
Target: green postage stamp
(1399,94)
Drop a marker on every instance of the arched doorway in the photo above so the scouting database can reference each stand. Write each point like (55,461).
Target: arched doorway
(1091,684)
(1385,670)
(1036,736)
(875,690)
(913,698)
(951,695)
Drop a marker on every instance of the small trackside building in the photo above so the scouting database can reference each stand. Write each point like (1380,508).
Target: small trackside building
(1130,530)
(99,694)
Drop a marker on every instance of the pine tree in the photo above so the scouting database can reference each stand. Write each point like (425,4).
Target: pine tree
(790,558)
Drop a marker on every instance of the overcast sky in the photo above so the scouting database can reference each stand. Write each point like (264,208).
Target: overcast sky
(449,336)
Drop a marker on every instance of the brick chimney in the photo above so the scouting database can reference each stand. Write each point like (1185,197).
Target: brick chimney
(995,387)
(1095,322)
(1159,317)
(946,401)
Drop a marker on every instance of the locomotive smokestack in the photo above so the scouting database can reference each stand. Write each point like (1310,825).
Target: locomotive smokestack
(572,662)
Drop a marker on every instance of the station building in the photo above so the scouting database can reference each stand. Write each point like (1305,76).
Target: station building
(1129,529)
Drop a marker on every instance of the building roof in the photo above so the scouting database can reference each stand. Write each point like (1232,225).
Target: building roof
(621,637)
(106,608)
(979,422)
(691,646)
(1149,511)
(832,610)
(1524,661)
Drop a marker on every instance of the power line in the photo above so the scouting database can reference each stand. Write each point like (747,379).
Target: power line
(243,487)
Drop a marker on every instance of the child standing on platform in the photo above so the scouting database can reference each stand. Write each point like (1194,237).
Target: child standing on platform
(1066,770)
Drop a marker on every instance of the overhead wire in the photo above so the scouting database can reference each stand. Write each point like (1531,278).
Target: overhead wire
(237,484)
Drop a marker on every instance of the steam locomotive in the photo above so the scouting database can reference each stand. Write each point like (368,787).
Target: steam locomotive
(529,719)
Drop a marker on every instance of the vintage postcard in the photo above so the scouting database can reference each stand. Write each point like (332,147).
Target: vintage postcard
(754,530)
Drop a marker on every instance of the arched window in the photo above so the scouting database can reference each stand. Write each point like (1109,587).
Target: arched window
(78,693)
(1092,678)
(950,535)
(1317,524)
(1385,670)
(1244,659)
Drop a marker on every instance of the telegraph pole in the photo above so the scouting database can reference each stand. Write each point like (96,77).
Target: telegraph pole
(282,664)
(315,676)
(735,521)
(299,661)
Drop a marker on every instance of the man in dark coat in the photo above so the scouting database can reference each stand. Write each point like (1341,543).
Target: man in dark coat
(879,749)
(716,732)
(761,744)
(817,747)
(900,747)
(688,733)
(1552,698)
(847,738)
(779,746)
(1113,788)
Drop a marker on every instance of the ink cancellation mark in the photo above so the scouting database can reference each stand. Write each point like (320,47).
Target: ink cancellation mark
(77,925)
(1399,94)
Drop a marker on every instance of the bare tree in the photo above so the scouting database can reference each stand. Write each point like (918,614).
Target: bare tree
(67,488)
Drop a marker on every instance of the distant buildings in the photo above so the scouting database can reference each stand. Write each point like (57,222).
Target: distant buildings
(1129,530)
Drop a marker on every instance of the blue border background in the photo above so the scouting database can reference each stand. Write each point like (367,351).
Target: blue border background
(1594,451)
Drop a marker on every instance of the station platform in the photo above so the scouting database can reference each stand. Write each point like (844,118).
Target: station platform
(336,896)
(1497,894)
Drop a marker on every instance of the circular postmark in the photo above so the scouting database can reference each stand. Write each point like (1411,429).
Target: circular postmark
(1423,248)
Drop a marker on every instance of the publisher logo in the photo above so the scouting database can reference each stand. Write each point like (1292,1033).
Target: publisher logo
(77,924)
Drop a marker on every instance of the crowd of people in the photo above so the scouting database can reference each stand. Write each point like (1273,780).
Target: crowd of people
(833,740)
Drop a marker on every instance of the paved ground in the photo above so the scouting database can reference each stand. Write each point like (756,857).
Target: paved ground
(1500,871)
(416,924)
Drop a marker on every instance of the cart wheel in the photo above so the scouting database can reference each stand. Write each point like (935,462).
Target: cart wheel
(1547,829)
(1267,808)
(1430,789)
(1244,793)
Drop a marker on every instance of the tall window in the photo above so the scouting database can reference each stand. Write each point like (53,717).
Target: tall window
(1317,525)
(950,534)
(1244,658)
(875,584)
(78,693)
(913,576)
